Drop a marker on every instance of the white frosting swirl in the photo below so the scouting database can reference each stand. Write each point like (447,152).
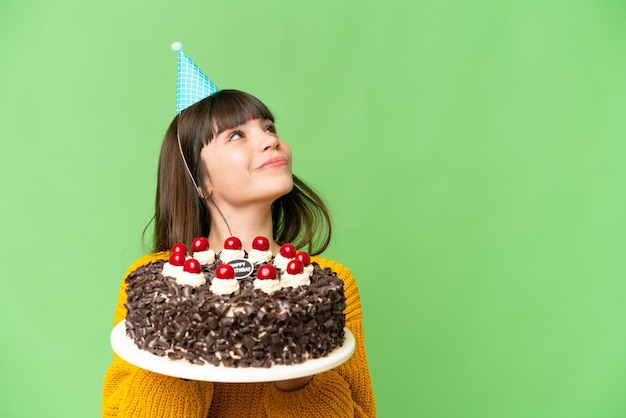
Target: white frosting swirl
(170,270)
(190,279)
(204,257)
(258,256)
(224,286)
(268,286)
(308,269)
(281,262)
(229,255)
(295,280)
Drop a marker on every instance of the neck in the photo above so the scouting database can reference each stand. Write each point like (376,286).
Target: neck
(245,224)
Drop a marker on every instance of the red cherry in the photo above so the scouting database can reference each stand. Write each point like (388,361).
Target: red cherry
(177,259)
(200,244)
(266,272)
(261,244)
(192,266)
(225,272)
(294,267)
(232,243)
(304,258)
(179,248)
(288,251)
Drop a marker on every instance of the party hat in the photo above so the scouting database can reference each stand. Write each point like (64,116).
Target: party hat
(192,85)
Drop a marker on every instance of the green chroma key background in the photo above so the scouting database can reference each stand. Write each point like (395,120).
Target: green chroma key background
(472,153)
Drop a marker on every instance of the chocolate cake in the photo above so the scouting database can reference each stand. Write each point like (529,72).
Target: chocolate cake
(281,311)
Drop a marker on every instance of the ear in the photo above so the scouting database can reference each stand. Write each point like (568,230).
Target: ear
(209,191)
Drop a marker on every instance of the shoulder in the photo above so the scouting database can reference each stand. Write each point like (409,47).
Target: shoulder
(146,259)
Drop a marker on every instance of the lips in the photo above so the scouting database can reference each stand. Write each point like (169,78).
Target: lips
(274,163)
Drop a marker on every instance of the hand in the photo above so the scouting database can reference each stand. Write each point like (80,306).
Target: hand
(293,384)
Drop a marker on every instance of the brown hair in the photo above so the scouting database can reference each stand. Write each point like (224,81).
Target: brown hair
(300,217)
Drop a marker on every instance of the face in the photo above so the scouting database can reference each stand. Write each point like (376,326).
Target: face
(247,164)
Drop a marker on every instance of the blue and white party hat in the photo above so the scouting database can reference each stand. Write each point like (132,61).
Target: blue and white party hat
(192,85)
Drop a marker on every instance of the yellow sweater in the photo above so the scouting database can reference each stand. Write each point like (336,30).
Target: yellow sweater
(345,391)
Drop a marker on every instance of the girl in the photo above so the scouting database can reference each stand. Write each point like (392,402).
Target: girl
(223,171)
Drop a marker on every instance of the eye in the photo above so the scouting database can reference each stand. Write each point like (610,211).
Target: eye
(270,128)
(235,135)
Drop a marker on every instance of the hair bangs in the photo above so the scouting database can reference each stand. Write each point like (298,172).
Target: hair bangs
(233,108)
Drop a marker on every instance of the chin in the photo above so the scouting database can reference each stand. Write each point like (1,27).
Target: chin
(282,189)
(272,188)
(287,187)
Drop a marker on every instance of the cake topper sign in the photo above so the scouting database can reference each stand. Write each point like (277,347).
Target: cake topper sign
(243,268)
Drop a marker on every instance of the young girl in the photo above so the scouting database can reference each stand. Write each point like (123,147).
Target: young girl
(224,171)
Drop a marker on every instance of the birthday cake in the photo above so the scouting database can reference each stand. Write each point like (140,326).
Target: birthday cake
(235,308)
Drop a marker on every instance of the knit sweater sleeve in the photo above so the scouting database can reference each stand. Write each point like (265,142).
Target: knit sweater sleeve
(345,391)
(129,391)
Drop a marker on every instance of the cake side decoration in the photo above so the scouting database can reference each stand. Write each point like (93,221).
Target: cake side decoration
(174,266)
(224,282)
(202,252)
(294,275)
(260,252)
(285,255)
(179,247)
(191,274)
(232,250)
(267,279)
(305,259)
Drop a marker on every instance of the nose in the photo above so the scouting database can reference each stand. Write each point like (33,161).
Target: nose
(269,141)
